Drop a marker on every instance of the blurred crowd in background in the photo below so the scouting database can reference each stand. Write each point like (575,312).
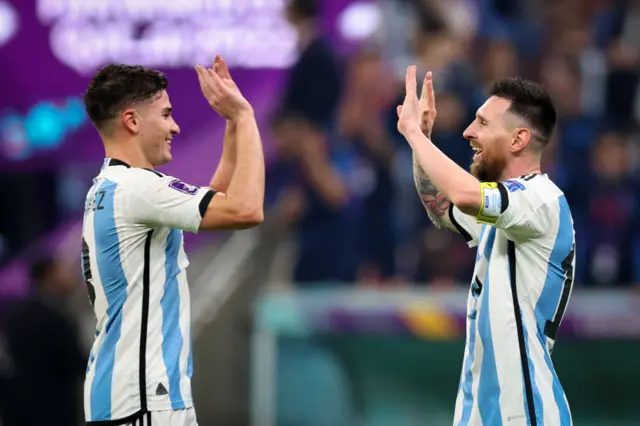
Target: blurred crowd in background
(342,180)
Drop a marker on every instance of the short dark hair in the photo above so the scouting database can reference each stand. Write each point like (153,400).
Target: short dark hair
(115,87)
(531,101)
(304,9)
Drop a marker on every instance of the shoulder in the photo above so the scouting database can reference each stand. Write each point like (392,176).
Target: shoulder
(538,190)
(137,181)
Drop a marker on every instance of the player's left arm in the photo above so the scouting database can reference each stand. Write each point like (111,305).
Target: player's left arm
(167,201)
(227,165)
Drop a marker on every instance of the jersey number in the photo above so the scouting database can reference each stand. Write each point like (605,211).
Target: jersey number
(86,270)
(551,327)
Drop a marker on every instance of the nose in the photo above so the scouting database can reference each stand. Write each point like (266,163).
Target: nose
(469,133)
(175,130)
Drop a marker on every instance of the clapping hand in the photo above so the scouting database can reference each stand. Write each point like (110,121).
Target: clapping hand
(221,91)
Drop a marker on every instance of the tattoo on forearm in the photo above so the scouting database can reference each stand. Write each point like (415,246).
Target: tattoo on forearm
(433,200)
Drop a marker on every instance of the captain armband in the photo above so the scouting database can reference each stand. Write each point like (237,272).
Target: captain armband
(494,202)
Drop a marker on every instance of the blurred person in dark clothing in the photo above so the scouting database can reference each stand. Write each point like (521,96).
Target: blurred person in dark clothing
(314,164)
(314,84)
(317,173)
(44,348)
(368,98)
(576,130)
(607,216)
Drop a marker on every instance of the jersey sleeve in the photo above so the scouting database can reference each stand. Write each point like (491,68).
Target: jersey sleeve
(167,201)
(513,207)
(466,225)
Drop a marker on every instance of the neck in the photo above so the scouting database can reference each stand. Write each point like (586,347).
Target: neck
(127,152)
(521,167)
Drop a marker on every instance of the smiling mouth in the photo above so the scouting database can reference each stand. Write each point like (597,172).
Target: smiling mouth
(478,151)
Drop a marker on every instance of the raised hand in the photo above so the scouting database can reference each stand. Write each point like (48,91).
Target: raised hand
(409,111)
(220,67)
(427,105)
(221,92)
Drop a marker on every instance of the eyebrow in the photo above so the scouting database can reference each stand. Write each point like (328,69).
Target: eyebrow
(167,110)
(481,117)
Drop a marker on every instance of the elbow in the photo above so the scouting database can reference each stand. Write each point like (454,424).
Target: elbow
(468,203)
(249,217)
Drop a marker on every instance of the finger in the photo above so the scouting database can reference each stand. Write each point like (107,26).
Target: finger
(201,75)
(431,97)
(216,83)
(207,82)
(423,93)
(224,68)
(410,81)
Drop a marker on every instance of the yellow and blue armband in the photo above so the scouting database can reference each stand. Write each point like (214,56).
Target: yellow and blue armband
(494,202)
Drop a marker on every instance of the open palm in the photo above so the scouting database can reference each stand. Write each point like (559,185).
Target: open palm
(409,111)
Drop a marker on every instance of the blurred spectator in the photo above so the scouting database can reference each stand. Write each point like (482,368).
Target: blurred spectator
(318,169)
(368,99)
(45,352)
(314,84)
(605,206)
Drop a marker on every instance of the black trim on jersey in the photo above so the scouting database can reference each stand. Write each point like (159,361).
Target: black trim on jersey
(154,172)
(148,418)
(146,283)
(204,203)
(511,254)
(551,326)
(116,162)
(459,227)
(529,177)
(477,289)
(504,194)
(139,415)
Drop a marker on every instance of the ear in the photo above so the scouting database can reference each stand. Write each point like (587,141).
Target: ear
(131,120)
(521,139)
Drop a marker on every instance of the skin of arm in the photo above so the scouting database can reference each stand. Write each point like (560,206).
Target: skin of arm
(222,176)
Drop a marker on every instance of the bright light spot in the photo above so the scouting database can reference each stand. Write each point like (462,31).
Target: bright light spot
(360,21)
(8,23)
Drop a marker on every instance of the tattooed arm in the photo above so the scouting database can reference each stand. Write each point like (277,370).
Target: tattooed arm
(434,201)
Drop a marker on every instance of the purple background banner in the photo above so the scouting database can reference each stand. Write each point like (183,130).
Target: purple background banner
(52,47)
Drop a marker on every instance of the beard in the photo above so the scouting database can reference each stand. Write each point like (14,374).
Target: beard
(490,168)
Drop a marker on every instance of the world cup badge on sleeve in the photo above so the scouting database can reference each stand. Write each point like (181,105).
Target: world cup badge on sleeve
(178,185)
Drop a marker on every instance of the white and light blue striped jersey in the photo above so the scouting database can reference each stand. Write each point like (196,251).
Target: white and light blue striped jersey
(134,265)
(519,292)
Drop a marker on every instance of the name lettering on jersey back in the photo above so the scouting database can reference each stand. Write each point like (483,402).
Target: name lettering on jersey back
(94,202)
(178,185)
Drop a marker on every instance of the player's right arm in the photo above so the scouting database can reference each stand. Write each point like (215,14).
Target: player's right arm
(440,210)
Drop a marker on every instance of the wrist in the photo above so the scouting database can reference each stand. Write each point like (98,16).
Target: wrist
(412,133)
(242,115)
